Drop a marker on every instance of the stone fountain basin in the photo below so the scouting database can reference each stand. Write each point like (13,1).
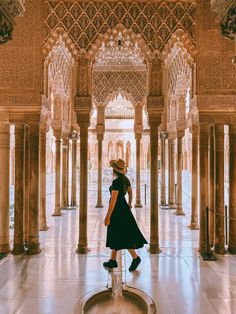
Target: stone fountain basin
(132,301)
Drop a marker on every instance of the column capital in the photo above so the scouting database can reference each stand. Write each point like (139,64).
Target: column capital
(100,136)
(138,136)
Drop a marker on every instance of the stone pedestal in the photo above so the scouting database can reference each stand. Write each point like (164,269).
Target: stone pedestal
(43,219)
(4,186)
(154,231)
(26,184)
(219,189)
(57,211)
(232,188)
(34,247)
(18,246)
(83,205)
(194,195)
(171,173)
(65,153)
(99,196)
(138,203)
(74,171)
(203,182)
(179,210)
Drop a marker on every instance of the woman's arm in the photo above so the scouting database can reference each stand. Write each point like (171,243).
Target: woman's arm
(111,207)
(130,193)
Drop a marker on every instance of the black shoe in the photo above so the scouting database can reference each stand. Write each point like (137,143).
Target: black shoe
(110,264)
(135,263)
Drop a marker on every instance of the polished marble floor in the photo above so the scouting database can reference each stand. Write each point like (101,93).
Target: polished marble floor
(177,279)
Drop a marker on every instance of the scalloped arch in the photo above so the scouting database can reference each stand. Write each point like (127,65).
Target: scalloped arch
(52,40)
(114,94)
(182,41)
(148,54)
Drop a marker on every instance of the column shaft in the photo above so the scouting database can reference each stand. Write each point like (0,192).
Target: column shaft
(26,183)
(171,174)
(74,173)
(154,236)
(83,239)
(194,202)
(211,186)
(4,186)
(232,189)
(57,210)
(34,247)
(179,210)
(99,196)
(65,153)
(43,219)
(219,189)
(19,190)
(163,171)
(138,185)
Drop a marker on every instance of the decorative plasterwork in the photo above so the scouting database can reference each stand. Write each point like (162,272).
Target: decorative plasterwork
(119,107)
(221,7)
(9,10)
(156,21)
(107,83)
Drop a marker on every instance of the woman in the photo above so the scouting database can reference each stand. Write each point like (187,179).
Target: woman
(122,229)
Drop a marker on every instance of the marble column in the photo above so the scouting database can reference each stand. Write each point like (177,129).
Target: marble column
(171,174)
(57,210)
(219,190)
(83,205)
(163,168)
(179,209)
(65,153)
(34,246)
(232,188)
(154,229)
(194,195)
(100,151)
(138,203)
(18,246)
(4,186)
(203,134)
(26,184)
(74,170)
(211,185)
(43,155)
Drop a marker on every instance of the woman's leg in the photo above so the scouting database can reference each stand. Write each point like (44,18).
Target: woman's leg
(113,255)
(133,253)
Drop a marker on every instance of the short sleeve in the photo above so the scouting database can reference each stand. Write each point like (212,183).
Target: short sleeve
(128,183)
(115,185)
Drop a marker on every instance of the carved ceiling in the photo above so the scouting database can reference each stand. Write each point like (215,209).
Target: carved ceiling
(106,83)
(85,20)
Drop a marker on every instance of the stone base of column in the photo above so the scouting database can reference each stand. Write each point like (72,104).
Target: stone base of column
(18,249)
(193,226)
(99,205)
(43,227)
(232,249)
(164,206)
(57,212)
(34,248)
(154,249)
(5,248)
(179,212)
(138,205)
(73,204)
(172,206)
(219,249)
(71,207)
(82,249)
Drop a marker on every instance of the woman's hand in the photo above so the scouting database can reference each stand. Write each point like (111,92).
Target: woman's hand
(107,221)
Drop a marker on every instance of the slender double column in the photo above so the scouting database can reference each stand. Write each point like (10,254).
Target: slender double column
(179,209)
(83,204)
(65,158)
(43,226)
(219,189)
(34,246)
(100,146)
(232,189)
(18,246)
(74,170)
(194,195)
(154,229)
(138,203)
(4,186)
(211,170)
(163,168)
(26,184)
(171,173)
(57,210)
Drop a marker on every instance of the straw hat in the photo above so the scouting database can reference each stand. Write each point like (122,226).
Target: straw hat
(119,166)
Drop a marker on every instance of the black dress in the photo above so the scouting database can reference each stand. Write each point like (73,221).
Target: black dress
(123,232)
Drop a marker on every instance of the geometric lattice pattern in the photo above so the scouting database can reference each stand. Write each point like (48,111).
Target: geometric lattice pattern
(155,21)
(107,83)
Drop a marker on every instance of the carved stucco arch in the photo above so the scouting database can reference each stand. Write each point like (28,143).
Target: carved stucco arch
(114,95)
